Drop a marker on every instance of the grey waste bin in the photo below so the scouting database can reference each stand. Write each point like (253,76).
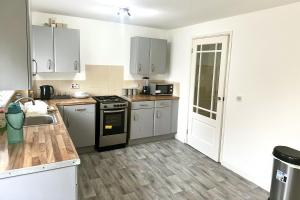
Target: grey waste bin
(286,174)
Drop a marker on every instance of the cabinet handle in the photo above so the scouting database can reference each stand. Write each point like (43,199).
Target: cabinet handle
(140,68)
(67,122)
(157,114)
(36,67)
(49,64)
(134,117)
(152,68)
(80,109)
(75,65)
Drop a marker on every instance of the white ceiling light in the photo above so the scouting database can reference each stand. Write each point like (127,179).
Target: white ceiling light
(124,12)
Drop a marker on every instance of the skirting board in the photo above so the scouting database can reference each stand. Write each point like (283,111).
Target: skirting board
(245,175)
(151,139)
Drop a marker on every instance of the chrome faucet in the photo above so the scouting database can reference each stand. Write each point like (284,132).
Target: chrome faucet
(29,98)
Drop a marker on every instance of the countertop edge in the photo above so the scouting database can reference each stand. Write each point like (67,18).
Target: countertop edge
(139,98)
(39,168)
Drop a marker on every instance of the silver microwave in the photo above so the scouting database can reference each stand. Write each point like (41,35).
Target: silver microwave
(161,89)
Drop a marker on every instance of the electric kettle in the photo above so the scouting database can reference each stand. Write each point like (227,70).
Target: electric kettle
(47,91)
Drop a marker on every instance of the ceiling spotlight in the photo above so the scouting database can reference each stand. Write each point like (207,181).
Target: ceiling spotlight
(124,12)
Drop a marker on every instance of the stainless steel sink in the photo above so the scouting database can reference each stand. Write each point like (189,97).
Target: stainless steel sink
(40,120)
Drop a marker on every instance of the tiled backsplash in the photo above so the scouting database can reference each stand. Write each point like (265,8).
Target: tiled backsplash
(100,80)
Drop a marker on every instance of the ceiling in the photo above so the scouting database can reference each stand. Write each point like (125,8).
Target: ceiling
(165,14)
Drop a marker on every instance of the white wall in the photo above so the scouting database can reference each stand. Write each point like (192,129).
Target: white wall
(265,71)
(101,42)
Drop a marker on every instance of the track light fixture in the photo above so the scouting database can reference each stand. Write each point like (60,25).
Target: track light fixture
(124,12)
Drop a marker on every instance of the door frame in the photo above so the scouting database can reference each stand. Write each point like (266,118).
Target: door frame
(226,79)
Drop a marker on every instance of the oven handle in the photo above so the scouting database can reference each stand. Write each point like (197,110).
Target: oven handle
(113,111)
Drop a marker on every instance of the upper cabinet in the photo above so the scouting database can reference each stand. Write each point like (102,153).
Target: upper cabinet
(148,56)
(158,56)
(15,55)
(56,49)
(42,49)
(67,50)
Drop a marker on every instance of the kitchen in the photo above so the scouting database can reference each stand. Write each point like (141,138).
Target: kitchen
(119,108)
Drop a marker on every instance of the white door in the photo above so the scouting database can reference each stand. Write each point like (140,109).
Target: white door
(209,61)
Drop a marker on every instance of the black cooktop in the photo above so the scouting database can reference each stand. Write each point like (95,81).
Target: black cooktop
(109,99)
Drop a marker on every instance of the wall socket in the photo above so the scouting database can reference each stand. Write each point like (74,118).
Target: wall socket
(75,86)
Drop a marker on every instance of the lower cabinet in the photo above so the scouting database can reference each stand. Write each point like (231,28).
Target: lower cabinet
(153,118)
(141,123)
(80,122)
(162,117)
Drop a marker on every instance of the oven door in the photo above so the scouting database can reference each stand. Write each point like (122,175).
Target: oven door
(113,122)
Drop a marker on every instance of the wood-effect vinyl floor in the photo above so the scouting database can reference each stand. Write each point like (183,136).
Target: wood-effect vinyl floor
(160,170)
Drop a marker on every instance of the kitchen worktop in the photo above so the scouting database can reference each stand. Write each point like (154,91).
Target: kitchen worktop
(45,147)
(136,98)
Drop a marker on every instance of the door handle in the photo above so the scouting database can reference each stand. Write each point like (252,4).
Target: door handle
(134,117)
(67,122)
(140,68)
(75,65)
(80,109)
(113,111)
(36,67)
(157,114)
(221,98)
(49,64)
(152,68)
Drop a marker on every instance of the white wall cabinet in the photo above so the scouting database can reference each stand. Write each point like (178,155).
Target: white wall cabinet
(80,122)
(15,54)
(148,56)
(153,118)
(56,49)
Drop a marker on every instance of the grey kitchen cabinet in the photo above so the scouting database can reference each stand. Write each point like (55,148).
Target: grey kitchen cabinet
(140,56)
(42,49)
(162,117)
(55,49)
(148,56)
(80,122)
(174,124)
(141,123)
(67,50)
(158,56)
(15,54)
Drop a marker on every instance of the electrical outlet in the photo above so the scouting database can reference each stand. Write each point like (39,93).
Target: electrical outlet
(75,86)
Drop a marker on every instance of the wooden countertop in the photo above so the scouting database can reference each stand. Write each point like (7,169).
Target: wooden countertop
(136,98)
(44,147)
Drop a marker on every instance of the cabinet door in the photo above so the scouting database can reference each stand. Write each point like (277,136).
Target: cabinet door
(141,123)
(80,122)
(67,50)
(42,49)
(162,121)
(15,55)
(175,105)
(158,56)
(140,56)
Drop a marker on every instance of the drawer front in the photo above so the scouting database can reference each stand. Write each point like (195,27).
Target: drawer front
(163,103)
(142,105)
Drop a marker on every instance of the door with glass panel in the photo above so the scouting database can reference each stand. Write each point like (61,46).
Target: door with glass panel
(209,59)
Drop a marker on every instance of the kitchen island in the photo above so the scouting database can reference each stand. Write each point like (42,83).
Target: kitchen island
(44,166)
